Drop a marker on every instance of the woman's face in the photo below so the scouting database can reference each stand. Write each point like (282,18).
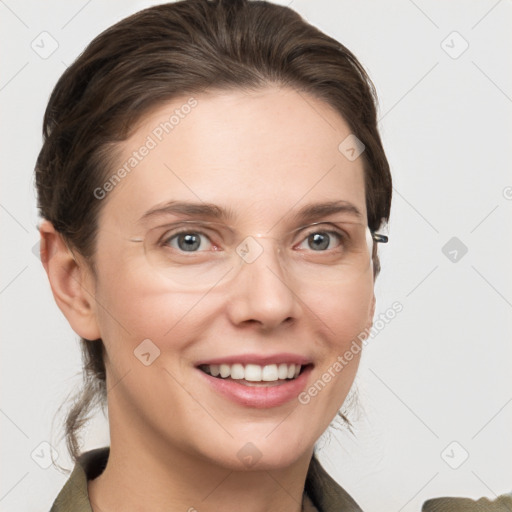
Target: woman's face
(263,156)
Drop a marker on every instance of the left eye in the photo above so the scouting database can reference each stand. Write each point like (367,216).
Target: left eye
(322,240)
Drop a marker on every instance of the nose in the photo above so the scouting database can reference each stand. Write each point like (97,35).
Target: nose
(262,291)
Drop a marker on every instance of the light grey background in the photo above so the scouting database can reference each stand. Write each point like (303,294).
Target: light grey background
(435,383)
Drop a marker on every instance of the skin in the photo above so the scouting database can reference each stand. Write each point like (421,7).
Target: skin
(174,441)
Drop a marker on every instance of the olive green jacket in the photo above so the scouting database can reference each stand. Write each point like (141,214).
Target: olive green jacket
(322,493)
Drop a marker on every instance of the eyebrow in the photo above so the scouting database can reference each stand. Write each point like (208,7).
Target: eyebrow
(212,211)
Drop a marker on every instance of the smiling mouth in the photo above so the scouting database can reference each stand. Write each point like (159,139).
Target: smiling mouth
(255,374)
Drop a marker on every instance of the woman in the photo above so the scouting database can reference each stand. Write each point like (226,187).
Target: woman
(211,184)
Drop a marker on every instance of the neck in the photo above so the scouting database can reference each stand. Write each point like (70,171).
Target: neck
(167,478)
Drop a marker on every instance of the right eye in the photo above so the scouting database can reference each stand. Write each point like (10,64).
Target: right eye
(187,241)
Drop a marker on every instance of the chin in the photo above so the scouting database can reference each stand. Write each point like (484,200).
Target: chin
(261,453)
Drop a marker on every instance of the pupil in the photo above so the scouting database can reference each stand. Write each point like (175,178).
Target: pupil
(319,241)
(188,242)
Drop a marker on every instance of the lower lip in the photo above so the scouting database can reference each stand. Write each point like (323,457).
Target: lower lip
(260,397)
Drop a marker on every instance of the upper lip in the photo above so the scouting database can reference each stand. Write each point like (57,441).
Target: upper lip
(258,359)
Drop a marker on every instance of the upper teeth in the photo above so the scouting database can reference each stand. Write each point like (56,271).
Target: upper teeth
(254,372)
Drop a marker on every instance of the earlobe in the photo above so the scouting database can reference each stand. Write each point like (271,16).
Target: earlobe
(71,281)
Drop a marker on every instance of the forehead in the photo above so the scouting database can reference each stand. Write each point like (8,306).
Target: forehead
(260,154)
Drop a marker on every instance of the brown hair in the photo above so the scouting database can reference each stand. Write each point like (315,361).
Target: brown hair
(167,51)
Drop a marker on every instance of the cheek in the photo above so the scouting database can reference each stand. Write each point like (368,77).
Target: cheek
(345,312)
(344,315)
(133,307)
(143,316)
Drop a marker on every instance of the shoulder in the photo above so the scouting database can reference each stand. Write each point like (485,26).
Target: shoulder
(325,493)
(74,496)
(502,503)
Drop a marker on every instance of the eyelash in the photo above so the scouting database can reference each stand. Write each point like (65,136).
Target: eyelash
(341,235)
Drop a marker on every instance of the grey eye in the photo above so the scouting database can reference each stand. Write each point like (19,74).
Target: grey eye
(186,241)
(322,240)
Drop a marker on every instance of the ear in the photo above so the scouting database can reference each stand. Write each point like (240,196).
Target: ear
(71,281)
